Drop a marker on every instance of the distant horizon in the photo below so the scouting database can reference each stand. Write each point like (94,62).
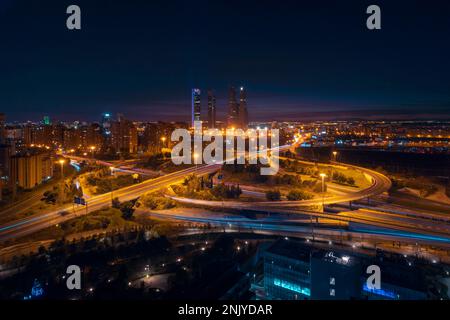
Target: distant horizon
(337,115)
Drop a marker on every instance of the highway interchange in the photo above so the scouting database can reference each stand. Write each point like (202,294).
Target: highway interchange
(286,217)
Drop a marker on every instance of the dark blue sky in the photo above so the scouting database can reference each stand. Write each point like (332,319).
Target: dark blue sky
(142,58)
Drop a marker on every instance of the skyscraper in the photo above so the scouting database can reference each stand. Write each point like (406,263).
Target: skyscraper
(46,121)
(233,109)
(2,128)
(124,136)
(243,112)
(106,123)
(195,105)
(211,109)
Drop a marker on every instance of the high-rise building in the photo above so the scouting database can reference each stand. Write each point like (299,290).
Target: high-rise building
(233,109)
(106,123)
(211,109)
(28,136)
(46,121)
(2,128)
(295,270)
(72,138)
(58,134)
(124,136)
(30,168)
(196,109)
(94,136)
(243,112)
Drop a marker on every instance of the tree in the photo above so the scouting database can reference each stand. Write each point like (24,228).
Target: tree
(127,209)
(115,203)
(298,194)
(351,181)
(273,195)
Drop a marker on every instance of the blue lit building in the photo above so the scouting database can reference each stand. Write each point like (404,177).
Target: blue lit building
(287,271)
(335,275)
(298,270)
(196,109)
(400,280)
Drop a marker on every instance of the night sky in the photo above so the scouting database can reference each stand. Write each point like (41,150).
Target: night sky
(297,59)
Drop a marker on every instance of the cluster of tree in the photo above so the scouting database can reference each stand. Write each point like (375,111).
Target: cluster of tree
(106,183)
(156,160)
(294,166)
(298,194)
(342,179)
(273,195)
(54,195)
(248,172)
(127,208)
(202,188)
(222,191)
(156,202)
(288,179)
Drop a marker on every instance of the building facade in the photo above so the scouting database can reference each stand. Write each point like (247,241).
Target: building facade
(196,107)
(31,168)
(211,109)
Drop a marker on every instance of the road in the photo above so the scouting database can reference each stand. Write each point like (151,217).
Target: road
(380,184)
(38,222)
(292,224)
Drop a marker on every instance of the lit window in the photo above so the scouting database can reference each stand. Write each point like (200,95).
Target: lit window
(332,292)
(332,281)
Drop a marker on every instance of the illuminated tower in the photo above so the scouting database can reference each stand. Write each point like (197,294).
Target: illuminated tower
(195,105)
(233,109)
(211,109)
(106,123)
(243,112)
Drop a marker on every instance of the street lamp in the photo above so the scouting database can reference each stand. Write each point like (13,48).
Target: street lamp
(61,162)
(92,150)
(334,155)
(61,190)
(323,175)
(195,160)
(111,184)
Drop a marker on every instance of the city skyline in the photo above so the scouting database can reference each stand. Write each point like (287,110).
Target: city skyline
(241,152)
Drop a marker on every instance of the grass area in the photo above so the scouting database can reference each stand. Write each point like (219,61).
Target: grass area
(101,181)
(414,202)
(156,201)
(104,219)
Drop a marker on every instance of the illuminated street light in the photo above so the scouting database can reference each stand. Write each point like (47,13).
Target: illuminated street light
(92,148)
(61,190)
(61,162)
(323,175)
(334,155)
(195,160)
